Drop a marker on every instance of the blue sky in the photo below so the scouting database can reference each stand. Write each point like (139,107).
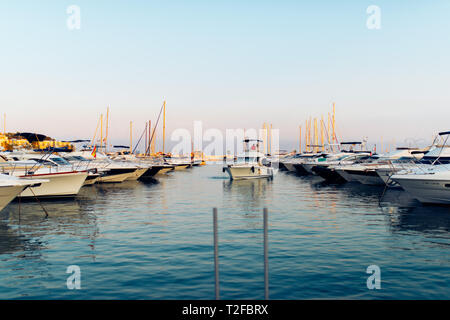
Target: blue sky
(231,64)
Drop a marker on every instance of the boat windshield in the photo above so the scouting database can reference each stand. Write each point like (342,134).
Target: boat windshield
(60,161)
(75,158)
(247,159)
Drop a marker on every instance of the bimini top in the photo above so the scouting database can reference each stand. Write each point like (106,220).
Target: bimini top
(444,133)
(352,142)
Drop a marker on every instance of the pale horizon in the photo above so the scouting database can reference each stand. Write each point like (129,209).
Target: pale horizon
(230,65)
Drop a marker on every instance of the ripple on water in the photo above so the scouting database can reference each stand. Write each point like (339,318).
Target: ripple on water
(154,241)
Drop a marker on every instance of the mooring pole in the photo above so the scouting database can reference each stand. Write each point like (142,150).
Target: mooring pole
(216,254)
(266,256)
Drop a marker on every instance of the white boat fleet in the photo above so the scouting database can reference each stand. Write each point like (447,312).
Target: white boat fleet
(28,175)
(423,173)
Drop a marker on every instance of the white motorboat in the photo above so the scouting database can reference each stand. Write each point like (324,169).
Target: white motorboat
(429,183)
(253,164)
(179,163)
(11,187)
(112,171)
(328,169)
(366,172)
(63,180)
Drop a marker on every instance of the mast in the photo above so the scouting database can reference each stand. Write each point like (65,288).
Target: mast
(153,141)
(4,123)
(321,134)
(107,124)
(300,140)
(264,138)
(146,133)
(164,126)
(328,132)
(316,136)
(131,136)
(101,131)
(307,135)
(333,121)
(147,147)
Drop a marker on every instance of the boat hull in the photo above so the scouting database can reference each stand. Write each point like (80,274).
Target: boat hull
(243,173)
(385,174)
(116,175)
(368,177)
(137,174)
(300,170)
(328,174)
(424,189)
(91,179)
(289,166)
(179,167)
(63,184)
(8,194)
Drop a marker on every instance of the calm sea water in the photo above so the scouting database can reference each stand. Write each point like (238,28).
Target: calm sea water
(154,241)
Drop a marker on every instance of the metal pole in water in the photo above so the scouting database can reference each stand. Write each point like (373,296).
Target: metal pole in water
(216,254)
(266,256)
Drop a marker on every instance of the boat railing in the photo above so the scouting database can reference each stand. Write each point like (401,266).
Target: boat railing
(11,168)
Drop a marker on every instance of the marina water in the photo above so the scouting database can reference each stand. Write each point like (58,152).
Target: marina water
(154,240)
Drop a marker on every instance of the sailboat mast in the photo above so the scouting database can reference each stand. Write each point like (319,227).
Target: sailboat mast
(300,140)
(131,136)
(107,124)
(153,142)
(164,126)
(321,134)
(306,135)
(101,131)
(146,133)
(333,121)
(316,136)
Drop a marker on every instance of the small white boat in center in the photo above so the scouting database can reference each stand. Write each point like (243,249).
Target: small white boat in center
(253,164)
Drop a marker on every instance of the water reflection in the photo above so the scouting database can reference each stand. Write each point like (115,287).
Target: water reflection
(424,219)
(24,226)
(249,193)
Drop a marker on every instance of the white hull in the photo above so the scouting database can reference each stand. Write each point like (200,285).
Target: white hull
(8,194)
(349,176)
(63,184)
(137,174)
(246,172)
(308,167)
(115,177)
(345,175)
(424,189)
(179,167)
(164,170)
(372,180)
(90,182)
(385,174)
(289,166)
